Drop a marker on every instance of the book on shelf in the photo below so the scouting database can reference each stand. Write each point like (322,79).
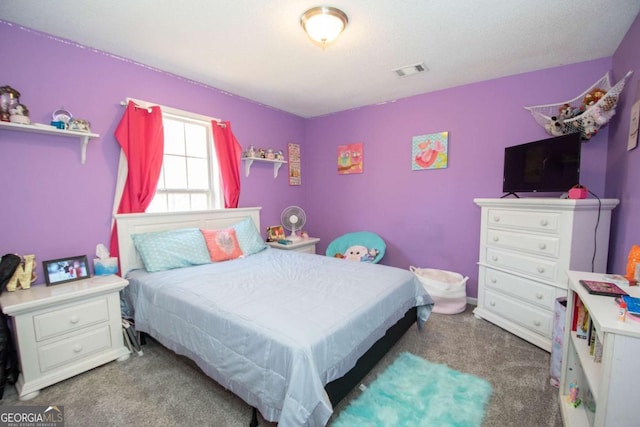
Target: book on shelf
(582,324)
(596,287)
(592,338)
(597,351)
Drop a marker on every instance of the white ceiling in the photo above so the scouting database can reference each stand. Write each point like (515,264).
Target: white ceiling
(256,48)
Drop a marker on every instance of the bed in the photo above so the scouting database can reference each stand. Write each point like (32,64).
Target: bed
(290,333)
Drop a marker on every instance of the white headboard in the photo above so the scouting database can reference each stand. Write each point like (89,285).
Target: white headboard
(129,224)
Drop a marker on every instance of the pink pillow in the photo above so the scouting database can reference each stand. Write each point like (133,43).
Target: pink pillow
(222,244)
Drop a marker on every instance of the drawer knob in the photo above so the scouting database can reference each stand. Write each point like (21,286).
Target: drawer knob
(544,222)
(74,319)
(494,280)
(540,269)
(539,295)
(496,218)
(77,348)
(536,323)
(494,258)
(542,246)
(496,238)
(492,303)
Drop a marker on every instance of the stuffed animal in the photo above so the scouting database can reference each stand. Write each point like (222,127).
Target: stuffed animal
(609,102)
(355,253)
(589,127)
(592,97)
(555,127)
(565,112)
(600,115)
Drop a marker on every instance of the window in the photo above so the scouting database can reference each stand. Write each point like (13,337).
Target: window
(190,176)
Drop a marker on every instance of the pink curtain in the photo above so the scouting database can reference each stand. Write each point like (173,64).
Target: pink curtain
(141,136)
(229,154)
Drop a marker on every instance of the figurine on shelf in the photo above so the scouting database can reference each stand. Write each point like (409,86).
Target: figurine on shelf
(251,152)
(573,398)
(279,155)
(9,98)
(19,113)
(262,153)
(270,154)
(79,124)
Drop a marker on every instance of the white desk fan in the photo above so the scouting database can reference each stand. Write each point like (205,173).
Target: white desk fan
(293,219)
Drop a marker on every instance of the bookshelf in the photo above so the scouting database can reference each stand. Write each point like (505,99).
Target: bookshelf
(612,381)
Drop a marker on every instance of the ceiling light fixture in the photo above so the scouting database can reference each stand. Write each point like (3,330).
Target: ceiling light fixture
(324,24)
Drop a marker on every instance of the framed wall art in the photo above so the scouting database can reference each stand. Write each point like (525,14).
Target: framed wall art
(350,158)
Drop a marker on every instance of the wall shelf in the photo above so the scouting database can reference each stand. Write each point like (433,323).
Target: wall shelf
(50,130)
(248,161)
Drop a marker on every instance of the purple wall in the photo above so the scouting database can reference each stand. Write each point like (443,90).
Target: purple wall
(623,167)
(428,217)
(54,206)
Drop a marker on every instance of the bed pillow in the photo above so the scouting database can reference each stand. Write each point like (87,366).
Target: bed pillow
(165,250)
(248,236)
(222,244)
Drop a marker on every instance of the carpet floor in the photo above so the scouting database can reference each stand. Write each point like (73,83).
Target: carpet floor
(163,389)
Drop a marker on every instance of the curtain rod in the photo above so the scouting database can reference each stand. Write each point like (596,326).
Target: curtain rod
(125,103)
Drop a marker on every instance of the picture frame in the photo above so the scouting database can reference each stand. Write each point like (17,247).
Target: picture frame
(275,233)
(63,270)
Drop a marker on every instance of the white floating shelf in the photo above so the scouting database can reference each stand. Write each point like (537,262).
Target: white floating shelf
(50,130)
(248,161)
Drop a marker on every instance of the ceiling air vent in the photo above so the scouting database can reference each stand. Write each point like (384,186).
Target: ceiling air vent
(411,69)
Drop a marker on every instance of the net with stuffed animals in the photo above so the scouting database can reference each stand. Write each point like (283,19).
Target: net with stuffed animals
(586,113)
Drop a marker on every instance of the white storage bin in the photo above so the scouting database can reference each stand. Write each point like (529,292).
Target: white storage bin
(448,289)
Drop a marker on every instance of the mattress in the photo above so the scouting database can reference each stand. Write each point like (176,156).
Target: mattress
(277,326)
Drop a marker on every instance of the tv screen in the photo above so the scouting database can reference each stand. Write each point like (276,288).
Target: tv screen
(549,165)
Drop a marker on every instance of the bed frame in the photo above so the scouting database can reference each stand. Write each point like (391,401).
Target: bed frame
(129,224)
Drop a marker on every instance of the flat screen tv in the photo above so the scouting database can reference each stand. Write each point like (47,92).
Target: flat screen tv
(546,166)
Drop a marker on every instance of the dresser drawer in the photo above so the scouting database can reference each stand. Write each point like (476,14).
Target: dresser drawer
(528,290)
(533,266)
(547,222)
(71,318)
(532,318)
(534,243)
(73,348)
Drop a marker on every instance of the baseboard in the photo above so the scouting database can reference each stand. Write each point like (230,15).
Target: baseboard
(472,301)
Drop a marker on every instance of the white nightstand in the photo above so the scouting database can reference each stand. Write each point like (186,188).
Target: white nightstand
(307,245)
(64,330)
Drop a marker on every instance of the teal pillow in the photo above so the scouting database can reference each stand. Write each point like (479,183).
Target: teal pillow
(248,236)
(164,250)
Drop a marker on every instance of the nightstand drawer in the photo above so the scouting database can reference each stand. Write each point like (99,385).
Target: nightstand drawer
(64,351)
(548,222)
(69,319)
(533,243)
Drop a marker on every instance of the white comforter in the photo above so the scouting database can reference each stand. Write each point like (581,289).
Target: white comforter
(277,326)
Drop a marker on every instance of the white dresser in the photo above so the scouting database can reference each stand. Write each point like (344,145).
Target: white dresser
(527,245)
(63,330)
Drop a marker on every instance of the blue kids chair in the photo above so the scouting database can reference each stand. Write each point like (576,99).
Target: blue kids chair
(362,246)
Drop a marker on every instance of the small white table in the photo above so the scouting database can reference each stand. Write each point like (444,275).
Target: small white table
(307,245)
(64,330)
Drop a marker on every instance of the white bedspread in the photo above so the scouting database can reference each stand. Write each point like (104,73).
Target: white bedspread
(277,326)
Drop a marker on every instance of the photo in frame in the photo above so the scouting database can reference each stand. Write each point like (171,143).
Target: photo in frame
(65,270)
(275,233)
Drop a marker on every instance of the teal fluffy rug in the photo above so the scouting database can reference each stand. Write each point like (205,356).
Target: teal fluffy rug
(413,392)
